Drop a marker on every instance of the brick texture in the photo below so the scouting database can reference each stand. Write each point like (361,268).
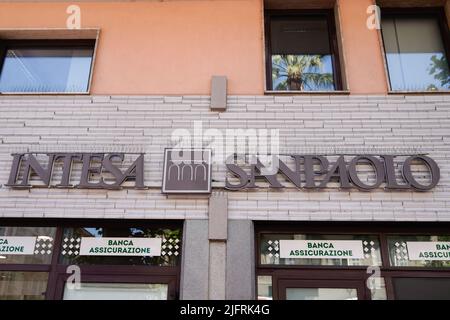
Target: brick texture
(315,124)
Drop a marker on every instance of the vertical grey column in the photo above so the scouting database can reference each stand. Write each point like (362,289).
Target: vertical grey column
(195,261)
(218,256)
(218,231)
(217,274)
(240,278)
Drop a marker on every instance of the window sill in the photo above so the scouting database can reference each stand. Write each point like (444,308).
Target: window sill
(276,92)
(419,92)
(43,93)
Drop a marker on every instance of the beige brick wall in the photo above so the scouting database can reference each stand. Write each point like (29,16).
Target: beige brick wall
(145,123)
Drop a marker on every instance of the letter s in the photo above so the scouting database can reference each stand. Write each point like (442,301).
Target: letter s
(238,172)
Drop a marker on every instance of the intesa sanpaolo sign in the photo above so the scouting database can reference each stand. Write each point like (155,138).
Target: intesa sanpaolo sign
(182,176)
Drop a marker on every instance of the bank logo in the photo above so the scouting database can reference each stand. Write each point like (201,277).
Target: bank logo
(187,171)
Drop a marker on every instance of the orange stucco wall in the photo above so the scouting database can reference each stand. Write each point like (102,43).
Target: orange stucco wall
(363,57)
(174,47)
(169,47)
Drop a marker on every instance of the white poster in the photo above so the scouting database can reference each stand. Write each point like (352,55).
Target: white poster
(120,247)
(428,250)
(321,249)
(17,245)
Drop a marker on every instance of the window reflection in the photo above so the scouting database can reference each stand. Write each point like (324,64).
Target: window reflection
(43,248)
(116,291)
(265,288)
(46,70)
(302,72)
(270,250)
(22,285)
(378,289)
(170,250)
(321,294)
(415,54)
(399,255)
(300,53)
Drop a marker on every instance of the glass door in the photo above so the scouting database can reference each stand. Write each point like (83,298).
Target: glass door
(320,289)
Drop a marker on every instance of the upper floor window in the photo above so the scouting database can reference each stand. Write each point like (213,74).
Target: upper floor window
(416,46)
(301,51)
(46,66)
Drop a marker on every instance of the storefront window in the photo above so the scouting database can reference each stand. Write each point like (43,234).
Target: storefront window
(349,262)
(313,249)
(17,285)
(419,251)
(112,260)
(26,245)
(73,238)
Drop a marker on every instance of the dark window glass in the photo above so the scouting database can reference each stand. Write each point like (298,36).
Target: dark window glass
(301,57)
(170,247)
(415,53)
(422,288)
(46,69)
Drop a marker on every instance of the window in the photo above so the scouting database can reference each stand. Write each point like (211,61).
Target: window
(429,288)
(46,66)
(20,285)
(301,51)
(270,253)
(341,260)
(38,251)
(73,237)
(132,259)
(416,50)
(116,291)
(419,251)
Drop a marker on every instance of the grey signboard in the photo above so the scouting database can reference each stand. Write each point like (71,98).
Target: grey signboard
(187,171)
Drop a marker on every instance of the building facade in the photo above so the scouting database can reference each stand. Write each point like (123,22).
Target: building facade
(93,93)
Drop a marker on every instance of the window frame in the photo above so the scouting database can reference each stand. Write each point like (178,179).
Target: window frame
(54,43)
(329,15)
(380,229)
(417,12)
(57,272)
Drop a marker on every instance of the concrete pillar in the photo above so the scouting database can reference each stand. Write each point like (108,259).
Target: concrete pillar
(217,235)
(218,216)
(240,271)
(217,269)
(195,261)
(218,259)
